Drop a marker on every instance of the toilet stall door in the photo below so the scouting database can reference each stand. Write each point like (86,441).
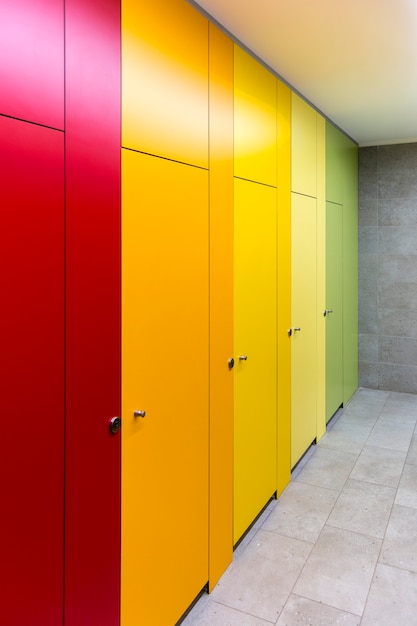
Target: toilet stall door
(32,374)
(255,316)
(304,325)
(165,390)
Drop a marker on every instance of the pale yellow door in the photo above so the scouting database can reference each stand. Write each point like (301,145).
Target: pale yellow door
(165,361)
(255,340)
(304,321)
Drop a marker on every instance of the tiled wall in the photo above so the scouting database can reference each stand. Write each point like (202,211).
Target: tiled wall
(388,267)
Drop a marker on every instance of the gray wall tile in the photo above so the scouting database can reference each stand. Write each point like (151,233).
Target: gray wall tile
(399,322)
(368,240)
(368,348)
(388,267)
(397,171)
(396,240)
(400,350)
(396,294)
(397,378)
(368,211)
(368,309)
(368,172)
(397,268)
(368,375)
(368,267)
(396,211)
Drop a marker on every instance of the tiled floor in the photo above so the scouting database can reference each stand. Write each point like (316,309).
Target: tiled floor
(340,544)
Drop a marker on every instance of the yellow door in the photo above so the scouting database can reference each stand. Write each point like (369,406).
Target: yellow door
(255,351)
(165,375)
(304,325)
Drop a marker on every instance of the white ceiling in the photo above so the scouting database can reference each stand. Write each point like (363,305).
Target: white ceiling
(355,60)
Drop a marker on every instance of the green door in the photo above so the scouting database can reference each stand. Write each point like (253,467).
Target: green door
(334,308)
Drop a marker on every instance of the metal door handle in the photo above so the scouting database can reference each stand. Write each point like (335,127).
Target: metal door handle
(139,413)
(243,357)
(326,311)
(293,330)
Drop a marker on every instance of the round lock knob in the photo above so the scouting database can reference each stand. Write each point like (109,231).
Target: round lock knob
(231,363)
(115,424)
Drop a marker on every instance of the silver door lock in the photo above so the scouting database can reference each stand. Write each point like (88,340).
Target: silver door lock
(115,424)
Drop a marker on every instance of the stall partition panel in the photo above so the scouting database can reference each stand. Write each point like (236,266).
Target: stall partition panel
(255,339)
(334,308)
(304,325)
(221,303)
(284,284)
(303,147)
(350,270)
(255,120)
(92,488)
(165,343)
(32,374)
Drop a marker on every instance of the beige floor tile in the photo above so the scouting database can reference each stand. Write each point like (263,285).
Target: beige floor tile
(363,508)
(385,435)
(379,466)
(346,436)
(261,579)
(398,413)
(409,399)
(301,511)
(407,489)
(364,395)
(399,548)
(327,468)
(412,451)
(364,413)
(299,611)
(209,613)
(339,570)
(392,599)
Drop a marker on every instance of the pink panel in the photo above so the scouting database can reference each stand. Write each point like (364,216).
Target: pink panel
(32,60)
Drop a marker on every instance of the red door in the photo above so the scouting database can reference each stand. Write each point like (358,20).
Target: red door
(49,577)
(32,374)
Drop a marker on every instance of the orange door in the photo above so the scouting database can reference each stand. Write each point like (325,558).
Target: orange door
(165,343)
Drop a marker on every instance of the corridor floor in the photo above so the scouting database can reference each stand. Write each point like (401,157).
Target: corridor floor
(340,544)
